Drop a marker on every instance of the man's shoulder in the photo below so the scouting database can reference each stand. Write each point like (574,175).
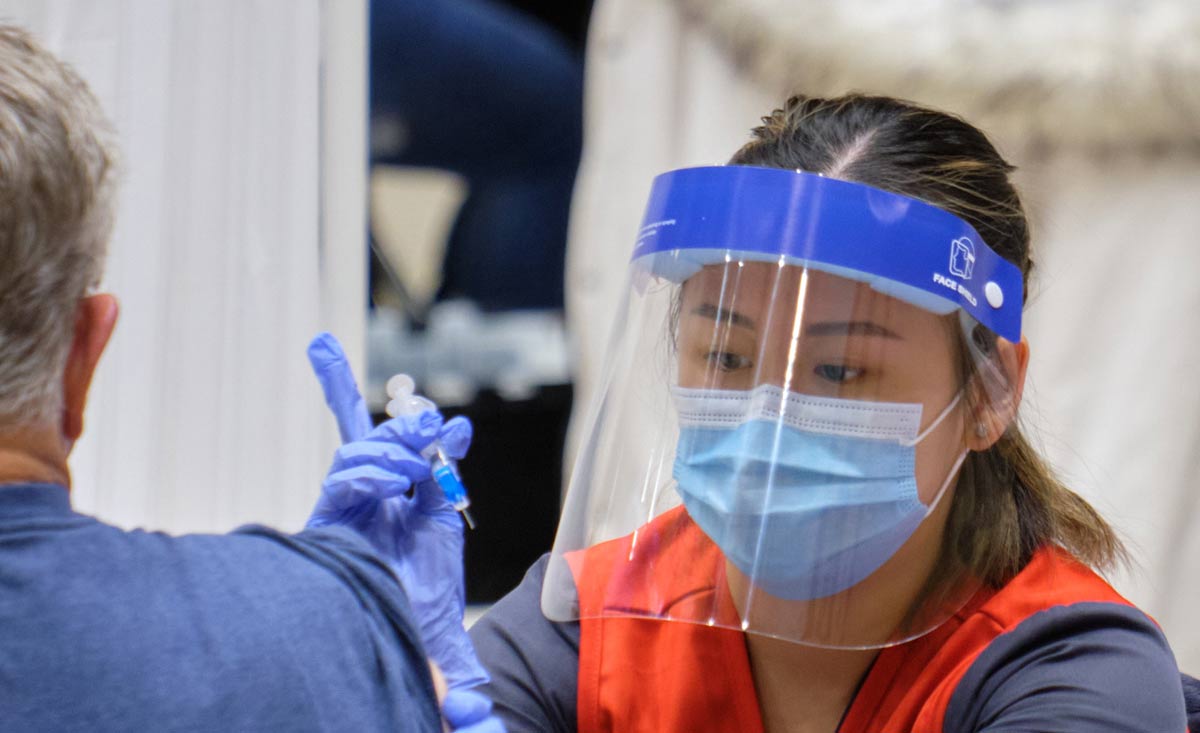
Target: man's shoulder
(126,623)
(78,571)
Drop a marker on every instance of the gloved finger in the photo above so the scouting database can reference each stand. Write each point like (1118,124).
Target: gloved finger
(388,456)
(356,515)
(332,369)
(415,432)
(488,725)
(431,500)
(360,484)
(464,707)
(455,437)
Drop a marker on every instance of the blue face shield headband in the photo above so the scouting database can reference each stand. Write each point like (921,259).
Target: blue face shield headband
(902,247)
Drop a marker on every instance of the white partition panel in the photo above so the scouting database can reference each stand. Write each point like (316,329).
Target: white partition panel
(204,415)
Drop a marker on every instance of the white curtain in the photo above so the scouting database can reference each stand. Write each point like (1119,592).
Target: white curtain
(229,254)
(1098,105)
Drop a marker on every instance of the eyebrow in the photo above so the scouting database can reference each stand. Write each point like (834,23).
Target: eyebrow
(707,310)
(850,328)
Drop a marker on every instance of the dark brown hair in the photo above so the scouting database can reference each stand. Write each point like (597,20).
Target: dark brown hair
(1007,502)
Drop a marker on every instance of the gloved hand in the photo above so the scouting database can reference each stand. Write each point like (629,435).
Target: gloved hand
(470,712)
(421,536)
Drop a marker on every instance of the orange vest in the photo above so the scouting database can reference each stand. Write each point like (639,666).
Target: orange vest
(643,674)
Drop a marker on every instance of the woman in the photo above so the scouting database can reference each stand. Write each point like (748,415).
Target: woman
(836,523)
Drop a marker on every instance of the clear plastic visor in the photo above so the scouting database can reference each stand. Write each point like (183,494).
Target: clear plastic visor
(775,449)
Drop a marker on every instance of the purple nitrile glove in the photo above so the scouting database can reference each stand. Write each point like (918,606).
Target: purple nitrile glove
(420,535)
(467,711)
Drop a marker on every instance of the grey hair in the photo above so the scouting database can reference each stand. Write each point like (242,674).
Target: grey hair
(57,192)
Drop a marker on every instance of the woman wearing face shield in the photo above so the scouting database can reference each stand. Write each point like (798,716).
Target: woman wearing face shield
(835,522)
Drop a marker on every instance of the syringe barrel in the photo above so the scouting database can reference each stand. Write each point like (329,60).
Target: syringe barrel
(443,468)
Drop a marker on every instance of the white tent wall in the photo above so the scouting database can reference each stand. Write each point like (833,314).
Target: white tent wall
(239,236)
(1097,105)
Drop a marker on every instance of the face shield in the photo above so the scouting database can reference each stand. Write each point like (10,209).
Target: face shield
(791,392)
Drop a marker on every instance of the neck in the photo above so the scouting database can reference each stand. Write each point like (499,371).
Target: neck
(33,455)
(805,689)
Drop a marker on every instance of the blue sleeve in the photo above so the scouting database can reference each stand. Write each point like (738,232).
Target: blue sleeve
(1094,667)
(111,630)
(1191,696)
(401,664)
(533,662)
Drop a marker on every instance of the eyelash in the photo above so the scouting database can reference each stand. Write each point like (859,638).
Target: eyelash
(720,359)
(835,373)
(823,372)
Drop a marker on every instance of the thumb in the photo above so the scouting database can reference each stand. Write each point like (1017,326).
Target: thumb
(464,707)
(455,437)
(332,369)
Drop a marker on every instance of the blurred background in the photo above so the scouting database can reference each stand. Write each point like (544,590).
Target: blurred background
(452,187)
(475,135)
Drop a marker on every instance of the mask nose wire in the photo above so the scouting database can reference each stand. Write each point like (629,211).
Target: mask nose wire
(937,421)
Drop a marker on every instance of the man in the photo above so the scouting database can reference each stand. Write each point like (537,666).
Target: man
(102,629)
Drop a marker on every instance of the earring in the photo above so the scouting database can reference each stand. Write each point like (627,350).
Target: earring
(981,430)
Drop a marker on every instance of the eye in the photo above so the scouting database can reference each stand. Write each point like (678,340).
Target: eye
(837,373)
(727,361)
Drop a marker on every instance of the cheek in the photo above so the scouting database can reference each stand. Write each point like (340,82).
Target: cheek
(690,374)
(693,368)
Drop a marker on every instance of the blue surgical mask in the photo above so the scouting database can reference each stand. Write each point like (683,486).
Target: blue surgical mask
(806,496)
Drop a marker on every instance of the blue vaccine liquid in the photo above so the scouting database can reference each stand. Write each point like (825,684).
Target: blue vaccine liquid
(444,468)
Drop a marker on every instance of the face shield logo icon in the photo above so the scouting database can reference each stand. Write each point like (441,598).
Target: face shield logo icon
(962,257)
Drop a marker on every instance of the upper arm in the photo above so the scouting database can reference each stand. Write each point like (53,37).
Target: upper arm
(533,662)
(1092,667)
(361,645)
(1191,697)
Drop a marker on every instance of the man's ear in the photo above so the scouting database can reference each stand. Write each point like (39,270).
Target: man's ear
(95,319)
(991,416)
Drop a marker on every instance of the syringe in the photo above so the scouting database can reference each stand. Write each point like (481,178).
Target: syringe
(445,471)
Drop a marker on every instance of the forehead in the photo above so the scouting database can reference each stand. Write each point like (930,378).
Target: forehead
(753,287)
(783,320)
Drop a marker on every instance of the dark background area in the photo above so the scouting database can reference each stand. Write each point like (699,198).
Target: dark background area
(516,457)
(513,472)
(568,17)
(514,476)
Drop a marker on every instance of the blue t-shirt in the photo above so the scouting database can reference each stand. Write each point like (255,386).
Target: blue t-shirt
(107,630)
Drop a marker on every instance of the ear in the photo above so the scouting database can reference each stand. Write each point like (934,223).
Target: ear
(991,417)
(95,319)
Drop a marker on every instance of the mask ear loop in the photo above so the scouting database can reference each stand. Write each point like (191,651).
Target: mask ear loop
(958,462)
(937,421)
(946,482)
